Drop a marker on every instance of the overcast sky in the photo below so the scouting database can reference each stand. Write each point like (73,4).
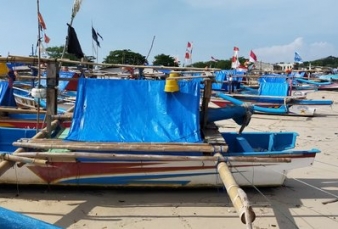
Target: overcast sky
(273,29)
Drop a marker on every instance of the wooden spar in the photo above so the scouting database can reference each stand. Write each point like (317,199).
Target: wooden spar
(20,111)
(5,165)
(206,99)
(12,58)
(236,194)
(70,110)
(74,79)
(265,96)
(66,116)
(52,94)
(119,156)
(137,147)
(26,160)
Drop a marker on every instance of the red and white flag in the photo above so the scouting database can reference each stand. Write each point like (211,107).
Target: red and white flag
(252,57)
(47,39)
(235,62)
(188,53)
(41,21)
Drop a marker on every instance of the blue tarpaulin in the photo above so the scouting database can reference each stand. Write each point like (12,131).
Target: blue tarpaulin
(273,89)
(62,83)
(135,111)
(6,95)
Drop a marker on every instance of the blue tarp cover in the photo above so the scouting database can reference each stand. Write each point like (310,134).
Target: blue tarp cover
(273,89)
(272,78)
(62,83)
(6,95)
(135,111)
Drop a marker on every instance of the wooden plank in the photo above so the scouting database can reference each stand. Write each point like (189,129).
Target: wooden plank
(214,137)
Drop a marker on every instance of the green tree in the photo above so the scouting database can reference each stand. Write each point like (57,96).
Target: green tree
(56,52)
(165,60)
(125,56)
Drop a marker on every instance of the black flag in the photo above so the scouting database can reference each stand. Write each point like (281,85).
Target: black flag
(73,46)
(95,38)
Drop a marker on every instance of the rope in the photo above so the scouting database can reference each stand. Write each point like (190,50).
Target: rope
(266,198)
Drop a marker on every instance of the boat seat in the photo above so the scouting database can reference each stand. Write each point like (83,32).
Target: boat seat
(244,144)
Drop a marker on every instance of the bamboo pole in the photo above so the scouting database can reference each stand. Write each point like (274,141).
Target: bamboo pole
(236,194)
(66,117)
(5,165)
(13,58)
(112,156)
(20,111)
(136,147)
(21,159)
(121,75)
(205,102)
(265,96)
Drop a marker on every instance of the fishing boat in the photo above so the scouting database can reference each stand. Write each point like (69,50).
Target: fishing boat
(151,137)
(152,133)
(36,97)
(273,97)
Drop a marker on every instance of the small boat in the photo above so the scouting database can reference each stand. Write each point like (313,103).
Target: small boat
(273,98)
(152,133)
(124,145)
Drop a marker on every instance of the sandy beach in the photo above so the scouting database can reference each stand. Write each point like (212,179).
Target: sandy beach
(306,200)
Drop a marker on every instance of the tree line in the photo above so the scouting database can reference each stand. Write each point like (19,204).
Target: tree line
(126,56)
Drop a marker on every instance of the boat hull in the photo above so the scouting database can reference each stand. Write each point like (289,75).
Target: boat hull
(151,173)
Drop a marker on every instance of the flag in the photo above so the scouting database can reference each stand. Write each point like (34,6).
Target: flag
(187,55)
(73,46)
(188,51)
(42,48)
(214,59)
(47,39)
(252,57)
(234,61)
(99,35)
(298,59)
(95,38)
(176,60)
(41,21)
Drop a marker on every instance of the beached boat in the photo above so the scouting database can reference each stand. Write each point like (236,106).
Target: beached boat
(36,97)
(131,143)
(273,97)
(153,133)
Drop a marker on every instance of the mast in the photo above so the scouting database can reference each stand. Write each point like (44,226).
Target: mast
(39,62)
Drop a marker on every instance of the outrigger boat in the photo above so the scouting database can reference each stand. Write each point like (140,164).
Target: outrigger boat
(152,133)
(272,97)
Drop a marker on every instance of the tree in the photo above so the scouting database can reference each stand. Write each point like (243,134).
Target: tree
(125,56)
(165,60)
(55,52)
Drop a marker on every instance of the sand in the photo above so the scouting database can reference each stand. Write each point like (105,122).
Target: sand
(300,203)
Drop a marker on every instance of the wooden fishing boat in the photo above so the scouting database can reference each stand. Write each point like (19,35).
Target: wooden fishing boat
(330,87)
(273,98)
(152,133)
(133,157)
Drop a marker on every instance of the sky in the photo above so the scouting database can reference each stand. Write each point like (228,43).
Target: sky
(273,29)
